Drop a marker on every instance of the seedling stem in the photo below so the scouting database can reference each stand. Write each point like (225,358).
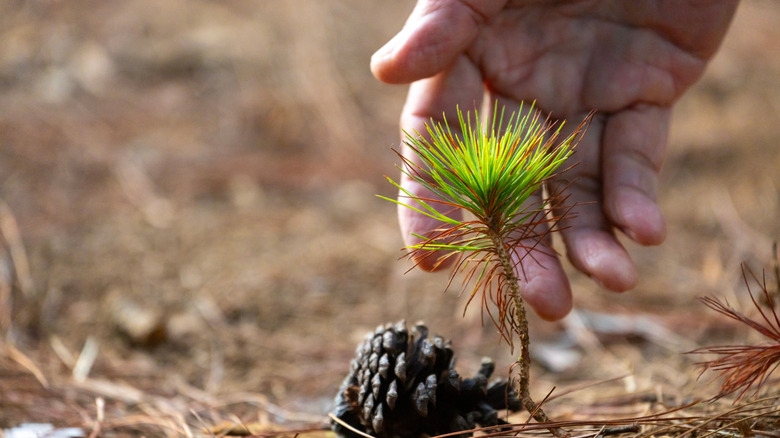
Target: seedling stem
(491,171)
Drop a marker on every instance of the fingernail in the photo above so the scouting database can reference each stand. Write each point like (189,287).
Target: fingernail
(596,280)
(630,234)
(388,48)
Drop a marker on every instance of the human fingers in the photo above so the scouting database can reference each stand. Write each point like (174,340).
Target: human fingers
(591,244)
(435,34)
(543,282)
(634,146)
(431,100)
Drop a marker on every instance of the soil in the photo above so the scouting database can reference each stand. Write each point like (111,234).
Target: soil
(194,182)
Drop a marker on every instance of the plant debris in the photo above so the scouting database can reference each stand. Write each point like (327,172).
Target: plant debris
(259,124)
(746,367)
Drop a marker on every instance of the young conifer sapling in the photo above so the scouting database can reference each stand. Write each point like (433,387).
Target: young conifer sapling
(490,171)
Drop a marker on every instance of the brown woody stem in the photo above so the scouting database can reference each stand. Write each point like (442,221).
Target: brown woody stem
(521,325)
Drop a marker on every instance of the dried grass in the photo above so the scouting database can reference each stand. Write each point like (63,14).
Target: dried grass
(111,408)
(127,189)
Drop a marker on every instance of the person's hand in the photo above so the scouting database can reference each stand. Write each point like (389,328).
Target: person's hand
(630,60)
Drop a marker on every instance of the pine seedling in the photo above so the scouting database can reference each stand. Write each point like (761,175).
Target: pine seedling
(490,171)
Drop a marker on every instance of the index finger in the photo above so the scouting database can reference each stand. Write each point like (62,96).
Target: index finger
(435,34)
(430,101)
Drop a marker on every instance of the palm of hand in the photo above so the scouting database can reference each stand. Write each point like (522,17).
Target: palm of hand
(576,57)
(630,61)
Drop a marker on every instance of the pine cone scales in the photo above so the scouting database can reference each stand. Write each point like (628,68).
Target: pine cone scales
(403,384)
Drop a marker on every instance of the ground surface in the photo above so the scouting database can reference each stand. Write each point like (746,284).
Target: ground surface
(193,183)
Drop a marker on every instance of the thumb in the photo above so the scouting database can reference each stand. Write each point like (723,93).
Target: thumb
(435,34)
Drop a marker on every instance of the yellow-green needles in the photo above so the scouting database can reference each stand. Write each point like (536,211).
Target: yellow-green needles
(487,172)
(491,171)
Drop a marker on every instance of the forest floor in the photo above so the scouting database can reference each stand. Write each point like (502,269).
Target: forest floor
(188,202)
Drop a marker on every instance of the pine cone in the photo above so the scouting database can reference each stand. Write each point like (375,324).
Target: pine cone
(405,385)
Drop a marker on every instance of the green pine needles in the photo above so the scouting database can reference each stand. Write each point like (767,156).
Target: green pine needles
(491,171)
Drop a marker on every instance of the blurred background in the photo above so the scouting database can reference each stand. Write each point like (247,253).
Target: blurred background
(188,200)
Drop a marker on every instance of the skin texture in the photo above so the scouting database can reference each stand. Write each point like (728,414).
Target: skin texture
(629,60)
